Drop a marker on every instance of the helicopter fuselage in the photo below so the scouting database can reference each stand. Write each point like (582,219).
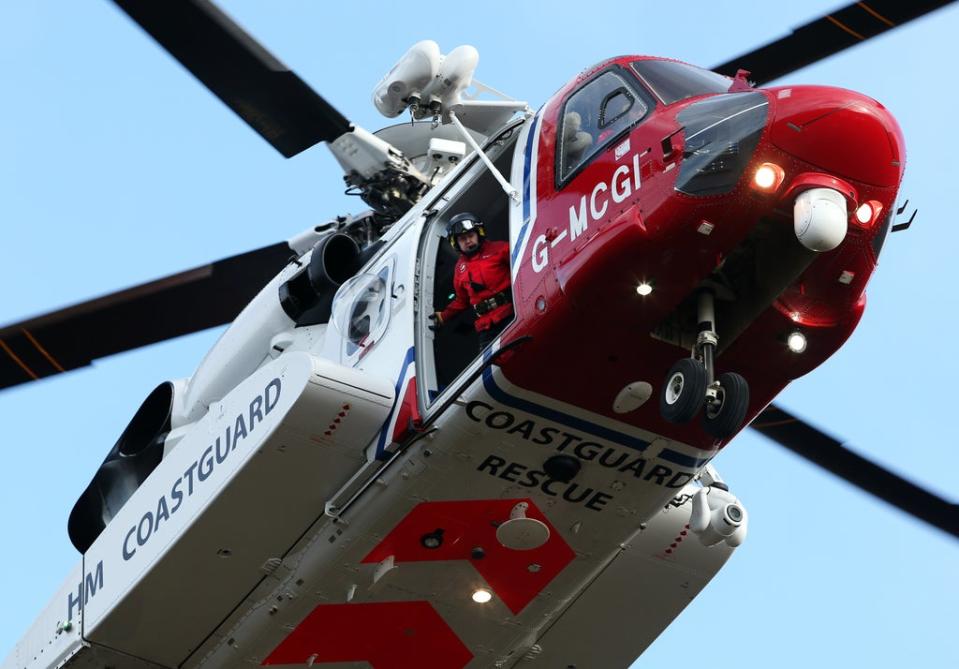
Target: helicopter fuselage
(323,480)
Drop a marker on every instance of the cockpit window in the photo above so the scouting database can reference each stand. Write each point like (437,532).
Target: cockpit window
(595,115)
(672,81)
(614,106)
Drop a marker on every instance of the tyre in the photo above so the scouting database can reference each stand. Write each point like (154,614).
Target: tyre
(683,391)
(722,420)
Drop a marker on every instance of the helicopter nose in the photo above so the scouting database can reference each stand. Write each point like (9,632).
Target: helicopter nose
(842,132)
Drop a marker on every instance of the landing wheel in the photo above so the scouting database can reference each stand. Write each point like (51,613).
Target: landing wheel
(726,413)
(683,392)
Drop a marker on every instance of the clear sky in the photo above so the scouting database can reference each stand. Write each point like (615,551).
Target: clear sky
(117,167)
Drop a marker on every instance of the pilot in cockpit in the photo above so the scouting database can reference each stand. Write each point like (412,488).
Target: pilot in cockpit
(575,140)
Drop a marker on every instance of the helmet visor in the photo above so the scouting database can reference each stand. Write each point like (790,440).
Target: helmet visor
(459,227)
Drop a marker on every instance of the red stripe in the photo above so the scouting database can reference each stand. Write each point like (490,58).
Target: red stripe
(408,416)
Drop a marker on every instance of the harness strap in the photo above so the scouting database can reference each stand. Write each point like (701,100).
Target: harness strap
(499,299)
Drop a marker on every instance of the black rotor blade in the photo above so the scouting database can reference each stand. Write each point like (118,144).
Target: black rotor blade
(266,94)
(826,36)
(829,453)
(187,302)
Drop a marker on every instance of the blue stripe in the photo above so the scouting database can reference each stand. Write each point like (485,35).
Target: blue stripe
(559,417)
(682,459)
(528,166)
(527,171)
(381,444)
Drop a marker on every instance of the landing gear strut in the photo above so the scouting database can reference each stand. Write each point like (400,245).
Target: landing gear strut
(692,383)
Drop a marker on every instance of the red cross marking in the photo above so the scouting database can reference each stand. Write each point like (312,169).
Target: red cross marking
(388,635)
(516,576)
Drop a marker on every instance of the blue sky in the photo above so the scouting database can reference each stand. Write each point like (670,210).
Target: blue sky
(117,167)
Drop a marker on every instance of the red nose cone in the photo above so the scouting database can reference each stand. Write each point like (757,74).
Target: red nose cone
(841,132)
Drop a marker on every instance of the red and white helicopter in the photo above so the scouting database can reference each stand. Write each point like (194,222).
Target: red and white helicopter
(377,473)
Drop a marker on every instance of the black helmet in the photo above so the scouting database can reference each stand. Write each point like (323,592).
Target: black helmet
(463,223)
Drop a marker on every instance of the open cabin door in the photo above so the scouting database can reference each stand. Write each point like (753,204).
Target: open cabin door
(446,357)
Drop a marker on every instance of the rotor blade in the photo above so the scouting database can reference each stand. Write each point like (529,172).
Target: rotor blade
(187,302)
(829,453)
(266,94)
(826,36)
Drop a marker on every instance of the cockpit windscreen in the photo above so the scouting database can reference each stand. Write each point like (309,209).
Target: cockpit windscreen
(672,81)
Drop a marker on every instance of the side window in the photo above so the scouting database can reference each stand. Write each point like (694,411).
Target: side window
(361,312)
(614,106)
(595,115)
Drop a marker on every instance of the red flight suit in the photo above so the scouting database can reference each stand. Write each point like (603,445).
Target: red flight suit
(479,277)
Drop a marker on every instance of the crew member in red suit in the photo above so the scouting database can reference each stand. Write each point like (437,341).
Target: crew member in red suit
(481,280)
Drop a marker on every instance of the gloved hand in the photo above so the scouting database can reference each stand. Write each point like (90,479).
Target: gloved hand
(437,321)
